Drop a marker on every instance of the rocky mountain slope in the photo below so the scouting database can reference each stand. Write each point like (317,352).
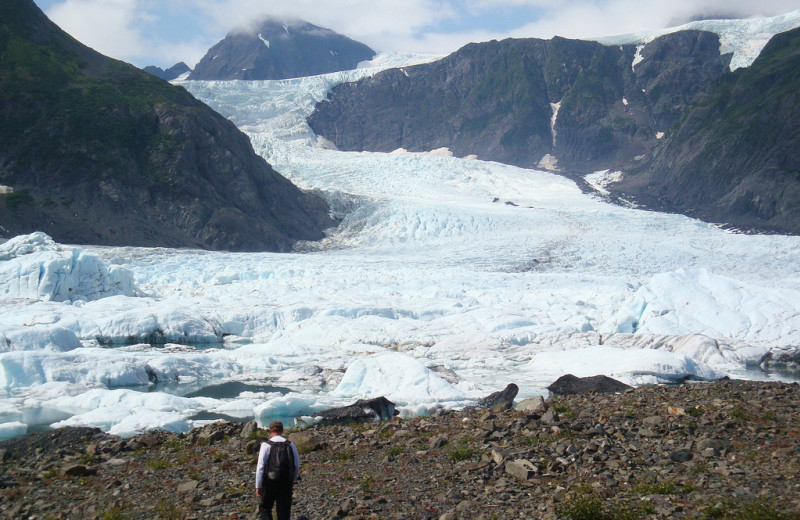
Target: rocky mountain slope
(734,156)
(579,107)
(723,450)
(279,49)
(170,73)
(93,150)
(517,100)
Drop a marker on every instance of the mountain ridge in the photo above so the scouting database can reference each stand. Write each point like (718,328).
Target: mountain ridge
(93,150)
(577,107)
(280,49)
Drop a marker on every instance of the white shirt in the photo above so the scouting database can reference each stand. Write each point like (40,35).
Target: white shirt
(264,453)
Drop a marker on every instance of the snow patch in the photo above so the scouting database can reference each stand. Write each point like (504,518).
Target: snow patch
(548,162)
(266,42)
(659,135)
(555,108)
(637,58)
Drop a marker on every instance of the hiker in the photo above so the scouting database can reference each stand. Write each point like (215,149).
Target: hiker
(278,467)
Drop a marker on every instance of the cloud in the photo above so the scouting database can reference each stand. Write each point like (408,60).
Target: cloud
(162,32)
(108,26)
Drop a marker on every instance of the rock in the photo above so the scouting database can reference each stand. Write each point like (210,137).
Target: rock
(305,441)
(534,404)
(715,445)
(377,409)
(249,429)
(680,456)
(521,468)
(502,400)
(77,470)
(187,487)
(437,442)
(653,421)
(570,384)
(346,507)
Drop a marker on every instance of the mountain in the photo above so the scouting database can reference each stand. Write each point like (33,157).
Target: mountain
(279,49)
(93,150)
(689,135)
(734,156)
(519,100)
(170,73)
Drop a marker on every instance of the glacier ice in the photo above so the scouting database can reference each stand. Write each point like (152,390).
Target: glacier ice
(448,279)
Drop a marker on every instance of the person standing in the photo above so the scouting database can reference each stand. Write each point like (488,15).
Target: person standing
(277,470)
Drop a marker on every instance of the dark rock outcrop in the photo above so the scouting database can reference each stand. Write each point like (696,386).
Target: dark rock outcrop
(279,49)
(501,400)
(97,151)
(569,384)
(498,100)
(363,410)
(168,74)
(734,157)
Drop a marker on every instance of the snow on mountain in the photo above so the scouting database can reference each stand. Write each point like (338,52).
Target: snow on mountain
(743,37)
(448,279)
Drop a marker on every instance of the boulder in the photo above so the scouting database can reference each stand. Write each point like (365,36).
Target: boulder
(502,400)
(377,409)
(570,384)
(534,404)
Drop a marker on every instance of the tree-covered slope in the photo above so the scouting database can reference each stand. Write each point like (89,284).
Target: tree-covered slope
(98,151)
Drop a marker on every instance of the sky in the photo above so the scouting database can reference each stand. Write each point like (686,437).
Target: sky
(164,32)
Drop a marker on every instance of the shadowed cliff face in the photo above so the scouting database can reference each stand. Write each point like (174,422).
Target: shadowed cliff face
(97,151)
(734,157)
(517,100)
(279,50)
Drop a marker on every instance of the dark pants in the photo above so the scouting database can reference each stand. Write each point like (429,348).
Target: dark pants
(279,494)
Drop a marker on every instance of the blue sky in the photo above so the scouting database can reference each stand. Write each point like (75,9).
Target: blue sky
(163,32)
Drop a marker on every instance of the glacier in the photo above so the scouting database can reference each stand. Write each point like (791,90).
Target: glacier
(447,279)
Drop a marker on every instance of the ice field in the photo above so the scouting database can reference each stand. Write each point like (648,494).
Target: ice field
(447,279)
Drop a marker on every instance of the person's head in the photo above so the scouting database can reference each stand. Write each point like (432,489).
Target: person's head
(275,428)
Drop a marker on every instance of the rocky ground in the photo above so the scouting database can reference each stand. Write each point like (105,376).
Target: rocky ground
(724,450)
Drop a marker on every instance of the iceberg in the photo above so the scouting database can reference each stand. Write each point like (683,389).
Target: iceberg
(35,267)
(398,377)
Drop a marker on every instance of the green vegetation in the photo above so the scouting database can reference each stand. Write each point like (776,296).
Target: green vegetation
(757,509)
(587,505)
(99,115)
(394,451)
(158,463)
(168,510)
(461,453)
(115,513)
(695,411)
(740,414)
(652,486)
(14,199)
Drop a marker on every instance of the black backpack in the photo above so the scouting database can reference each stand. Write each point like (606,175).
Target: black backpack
(280,461)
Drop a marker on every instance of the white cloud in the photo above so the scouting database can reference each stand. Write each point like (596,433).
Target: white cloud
(108,26)
(138,30)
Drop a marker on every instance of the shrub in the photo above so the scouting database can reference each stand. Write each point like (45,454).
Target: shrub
(461,453)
